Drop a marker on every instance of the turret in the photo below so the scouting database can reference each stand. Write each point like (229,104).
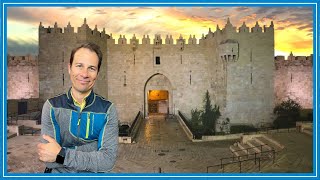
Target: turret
(134,42)
(244,28)
(69,29)
(181,42)
(229,50)
(157,41)
(256,28)
(229,28)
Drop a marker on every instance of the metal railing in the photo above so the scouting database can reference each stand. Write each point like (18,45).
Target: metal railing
(238,159)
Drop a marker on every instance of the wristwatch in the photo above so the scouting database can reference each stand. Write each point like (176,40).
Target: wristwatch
(61,155)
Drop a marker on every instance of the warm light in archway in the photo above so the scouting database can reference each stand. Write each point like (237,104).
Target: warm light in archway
(155,95)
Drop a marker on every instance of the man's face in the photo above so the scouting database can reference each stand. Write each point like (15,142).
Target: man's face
(83,70)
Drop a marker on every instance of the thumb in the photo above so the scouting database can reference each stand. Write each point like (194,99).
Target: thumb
(48,138)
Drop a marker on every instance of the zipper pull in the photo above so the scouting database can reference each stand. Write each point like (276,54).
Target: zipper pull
(79,121)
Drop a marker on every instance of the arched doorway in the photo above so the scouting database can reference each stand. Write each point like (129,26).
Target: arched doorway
(157,95)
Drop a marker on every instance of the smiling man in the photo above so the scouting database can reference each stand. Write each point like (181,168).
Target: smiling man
(79,128)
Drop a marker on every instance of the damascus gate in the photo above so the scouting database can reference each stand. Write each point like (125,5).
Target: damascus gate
(159,74)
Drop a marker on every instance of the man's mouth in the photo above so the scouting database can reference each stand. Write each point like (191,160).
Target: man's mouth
(83,81)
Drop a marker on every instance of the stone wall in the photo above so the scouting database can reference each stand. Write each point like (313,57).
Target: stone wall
(294,80)
(22,77)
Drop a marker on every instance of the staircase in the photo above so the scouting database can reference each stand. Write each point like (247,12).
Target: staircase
(251,154)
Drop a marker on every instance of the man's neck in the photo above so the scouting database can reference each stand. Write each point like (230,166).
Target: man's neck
(78,96)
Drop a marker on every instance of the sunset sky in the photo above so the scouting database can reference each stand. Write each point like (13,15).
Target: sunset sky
(293,25)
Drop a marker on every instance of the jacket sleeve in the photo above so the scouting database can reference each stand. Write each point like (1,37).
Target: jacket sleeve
(47,129)
(103,158)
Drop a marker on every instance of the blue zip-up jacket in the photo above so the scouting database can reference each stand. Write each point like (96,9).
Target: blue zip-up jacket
(90,136)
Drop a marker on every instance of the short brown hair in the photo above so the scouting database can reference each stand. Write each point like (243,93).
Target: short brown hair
(92,47)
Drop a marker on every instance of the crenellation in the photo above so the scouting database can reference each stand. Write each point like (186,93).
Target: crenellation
(292,60)
(270,28)
(157,41)
(122,40)
(145,40)
(244,28)
(27,60)
(192,40)
(169,40)
(256,28)
(134,42)
(69,29)
(181,42)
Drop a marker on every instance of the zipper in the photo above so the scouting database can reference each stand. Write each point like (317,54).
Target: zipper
(88,125)
(92,124)
(78,125)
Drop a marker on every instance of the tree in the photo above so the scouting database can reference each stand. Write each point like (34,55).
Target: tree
(209,115)
(288,112)
(196,119)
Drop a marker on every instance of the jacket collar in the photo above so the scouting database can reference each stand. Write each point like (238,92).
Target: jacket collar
(88,99)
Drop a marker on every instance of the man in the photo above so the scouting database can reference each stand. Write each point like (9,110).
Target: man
(79,127)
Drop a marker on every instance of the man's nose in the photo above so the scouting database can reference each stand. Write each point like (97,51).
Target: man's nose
(84,72)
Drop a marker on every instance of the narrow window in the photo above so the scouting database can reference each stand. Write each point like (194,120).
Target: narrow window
(28,77)
(125,79)
(181,58)
(157,60)
(291,77)
(63,79)
(190,77)
(251,74)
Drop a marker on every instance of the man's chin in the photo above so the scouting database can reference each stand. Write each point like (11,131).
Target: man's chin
(83,90)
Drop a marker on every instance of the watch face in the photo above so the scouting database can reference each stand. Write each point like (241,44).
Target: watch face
(60,159)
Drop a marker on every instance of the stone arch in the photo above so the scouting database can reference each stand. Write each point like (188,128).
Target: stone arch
(158,81)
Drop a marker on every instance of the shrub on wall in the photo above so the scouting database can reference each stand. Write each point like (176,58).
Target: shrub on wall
(234,129)
(288,112)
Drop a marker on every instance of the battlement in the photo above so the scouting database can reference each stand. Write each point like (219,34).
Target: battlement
(69,30)
(27,60)
(157,40)
(292,60)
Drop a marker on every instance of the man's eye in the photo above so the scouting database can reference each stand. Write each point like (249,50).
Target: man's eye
(92,69)
(78,65)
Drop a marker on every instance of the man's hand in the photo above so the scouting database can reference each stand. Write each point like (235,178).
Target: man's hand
(48,151)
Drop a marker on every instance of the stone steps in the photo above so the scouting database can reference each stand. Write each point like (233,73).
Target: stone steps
(260,146)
